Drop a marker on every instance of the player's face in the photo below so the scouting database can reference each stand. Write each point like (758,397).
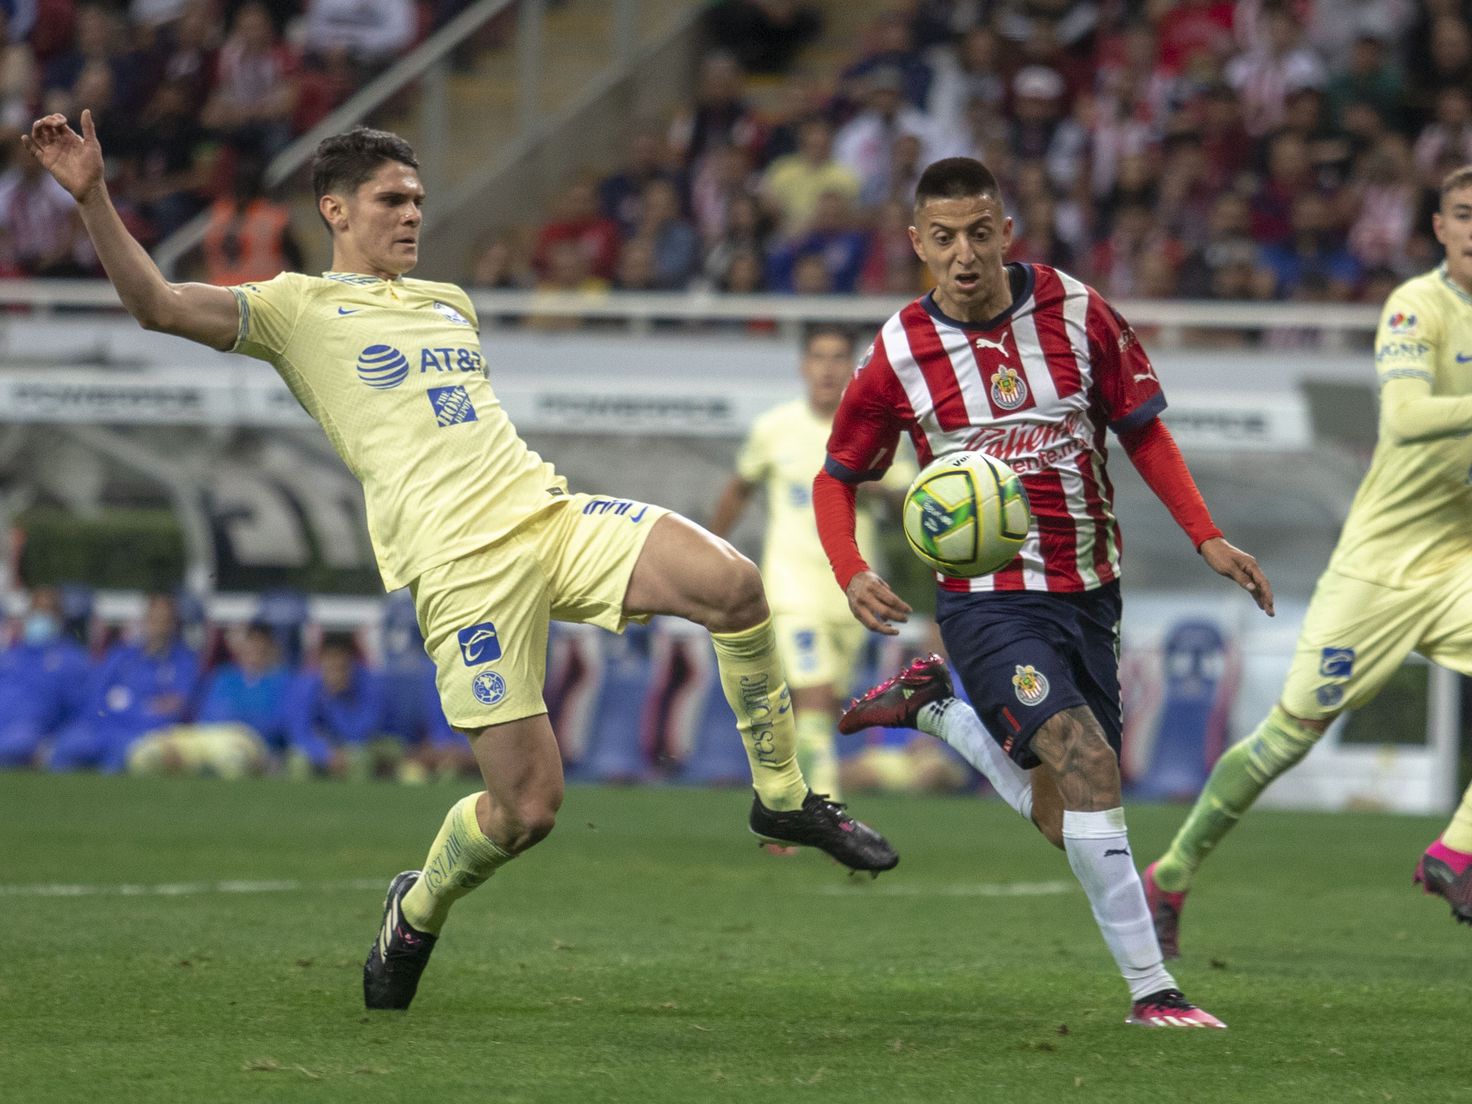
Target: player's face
(964,244)
(377,227)
(827,365)
(1453,226)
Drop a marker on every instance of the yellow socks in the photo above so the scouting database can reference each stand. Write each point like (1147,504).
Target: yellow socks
(815,754)
(461,858)
(756,688)
(1458,834)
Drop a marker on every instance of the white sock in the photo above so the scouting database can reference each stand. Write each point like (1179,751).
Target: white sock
(955,722)
(1099,852)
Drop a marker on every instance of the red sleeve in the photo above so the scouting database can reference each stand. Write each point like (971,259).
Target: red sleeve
(833,506)
(1155,455)
(861,447)
(1125,384)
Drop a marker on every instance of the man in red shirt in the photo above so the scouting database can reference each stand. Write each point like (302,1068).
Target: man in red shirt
(1030,365)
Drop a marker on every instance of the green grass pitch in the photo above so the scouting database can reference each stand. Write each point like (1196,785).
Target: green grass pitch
(650,952)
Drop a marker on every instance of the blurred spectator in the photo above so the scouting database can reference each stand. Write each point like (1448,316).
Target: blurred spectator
(636,268)
(1131,72)
(241,720)
(765,36)
(371,32)
(42,231)
(170,168)
(1036,236)
(1449,135)
(1228,236)
(793,184)
(1382,194)
(673,242)
(1037,110)
(139,688)
(972,70)
(1280,62)
(249,234)
(1190,30)
(890,265)
(1185,197)
(621,195)
(1446,61)
(568,272)
(832,237)
(498,264)
(744,273)
(101,40)
(1314,252)
(1114,266)
(18,76)
(866,143)
(811,276)
(889,43)
(1070,22)
(254,90)
(43,678)
(153,14)
(747,231)
(188,51)
(577,219)
(725,177)
(1224,139)
(1371,76)
(720,115)
(323,84)
(1289,174)
(335,718)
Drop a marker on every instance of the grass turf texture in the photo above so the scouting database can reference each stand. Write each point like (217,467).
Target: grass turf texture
(650,952)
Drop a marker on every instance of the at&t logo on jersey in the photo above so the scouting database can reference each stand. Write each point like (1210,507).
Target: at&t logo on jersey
(1009,390)
(382,367)
(488,687)
(479,644)
(1031,685)
(452,406)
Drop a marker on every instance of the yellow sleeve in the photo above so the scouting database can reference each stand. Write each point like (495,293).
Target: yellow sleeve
(754,460)
(1406,348)
(269,312)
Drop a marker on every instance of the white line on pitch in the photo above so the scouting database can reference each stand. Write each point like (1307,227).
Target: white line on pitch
(963,889)
(183,889)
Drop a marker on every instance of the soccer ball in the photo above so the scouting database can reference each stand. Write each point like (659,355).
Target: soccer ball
(966,514)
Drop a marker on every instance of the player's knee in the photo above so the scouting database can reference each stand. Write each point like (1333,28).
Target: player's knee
(738,601)
(527,824)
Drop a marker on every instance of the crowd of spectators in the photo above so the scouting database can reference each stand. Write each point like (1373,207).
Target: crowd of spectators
(188,96)
(1206,149)
(171,696)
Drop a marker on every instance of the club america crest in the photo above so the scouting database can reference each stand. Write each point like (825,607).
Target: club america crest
(1031,685)
(1009,390)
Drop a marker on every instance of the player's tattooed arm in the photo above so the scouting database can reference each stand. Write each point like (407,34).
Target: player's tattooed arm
(876,606)
(1227,559)
(1084,766)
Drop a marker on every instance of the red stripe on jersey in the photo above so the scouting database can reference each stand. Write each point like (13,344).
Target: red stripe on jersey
(1105,533)
(1053,334)
(935,366)
(1057,529)
(1003,371)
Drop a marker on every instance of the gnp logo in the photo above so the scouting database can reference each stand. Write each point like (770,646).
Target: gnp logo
(479,644)
(382,367)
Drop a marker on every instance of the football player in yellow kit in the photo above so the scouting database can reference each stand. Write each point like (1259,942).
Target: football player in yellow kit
(1400,579)
(486,535)
(817,636)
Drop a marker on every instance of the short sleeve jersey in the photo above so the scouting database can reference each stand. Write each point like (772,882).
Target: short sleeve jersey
(1411,518)
(1037,386)
(782,453)
(393,372)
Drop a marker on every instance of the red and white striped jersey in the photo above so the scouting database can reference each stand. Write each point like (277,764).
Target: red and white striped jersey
(1036,386)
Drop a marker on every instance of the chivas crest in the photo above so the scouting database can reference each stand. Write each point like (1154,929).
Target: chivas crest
(1009,390)
(1031,685)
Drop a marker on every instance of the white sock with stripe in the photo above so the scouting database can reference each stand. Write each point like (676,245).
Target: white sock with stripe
(1099,851)
(955,722)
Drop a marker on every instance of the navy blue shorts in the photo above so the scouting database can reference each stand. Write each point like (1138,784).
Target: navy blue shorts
(1024,656)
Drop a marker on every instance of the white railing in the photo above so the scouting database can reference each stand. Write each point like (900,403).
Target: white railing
(640,311)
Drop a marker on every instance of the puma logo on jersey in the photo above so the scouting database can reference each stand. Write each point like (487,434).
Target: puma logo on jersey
(987,343)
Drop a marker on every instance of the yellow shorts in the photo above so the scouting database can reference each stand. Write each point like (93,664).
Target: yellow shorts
(1357,634)
(818,652)
(484,616)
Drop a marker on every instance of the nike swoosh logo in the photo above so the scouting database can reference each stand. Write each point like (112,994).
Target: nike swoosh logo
(344,310)
(1464,358)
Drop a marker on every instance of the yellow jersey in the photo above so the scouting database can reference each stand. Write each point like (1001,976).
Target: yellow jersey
(783,452)
(1412,516)
(393,371)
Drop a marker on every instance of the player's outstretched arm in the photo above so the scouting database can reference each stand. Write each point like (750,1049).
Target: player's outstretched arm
(199,312)
(1227,559)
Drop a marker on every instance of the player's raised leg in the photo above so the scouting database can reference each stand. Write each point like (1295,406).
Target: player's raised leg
(1235,783)
(686,572)
(1446,868)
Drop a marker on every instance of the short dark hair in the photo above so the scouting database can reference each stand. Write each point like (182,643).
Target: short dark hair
(345,161)
(338,641)
(956,178)
(827,329)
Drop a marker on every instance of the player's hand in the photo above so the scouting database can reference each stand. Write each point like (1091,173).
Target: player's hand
(1227,559)
(874,604)
(74,159)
